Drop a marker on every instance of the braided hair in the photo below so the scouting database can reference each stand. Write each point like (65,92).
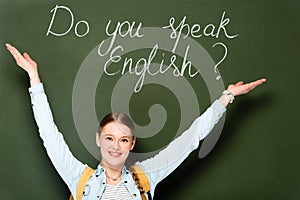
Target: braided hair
(138,183)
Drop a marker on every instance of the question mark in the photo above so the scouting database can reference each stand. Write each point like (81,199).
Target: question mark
(225,55)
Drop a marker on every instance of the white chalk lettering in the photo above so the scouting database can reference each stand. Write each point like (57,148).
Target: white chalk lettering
(68,29)
(129,30)
(113,58)
(195,31)
(143,65)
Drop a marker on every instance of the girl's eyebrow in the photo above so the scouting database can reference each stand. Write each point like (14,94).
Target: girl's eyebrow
(124,136)
(108,134)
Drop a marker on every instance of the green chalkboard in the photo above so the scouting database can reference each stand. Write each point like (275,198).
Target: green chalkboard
(256,155)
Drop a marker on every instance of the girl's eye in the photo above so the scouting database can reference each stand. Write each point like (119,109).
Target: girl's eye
(109,138)
(124,140)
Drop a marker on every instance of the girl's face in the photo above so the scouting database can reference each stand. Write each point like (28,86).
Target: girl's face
(115,142)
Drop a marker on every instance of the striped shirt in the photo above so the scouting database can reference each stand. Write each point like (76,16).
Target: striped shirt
(116,192)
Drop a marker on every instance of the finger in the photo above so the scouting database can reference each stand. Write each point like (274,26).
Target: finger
(253,85)
(28,58)
(239,83)
(263,79)
(260,81)
(256,83)
(15,53)
(12,49)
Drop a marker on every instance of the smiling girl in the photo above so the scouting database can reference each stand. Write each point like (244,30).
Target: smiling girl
(116,138)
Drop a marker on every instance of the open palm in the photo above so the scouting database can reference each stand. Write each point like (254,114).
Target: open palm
(240,88)
(24,61)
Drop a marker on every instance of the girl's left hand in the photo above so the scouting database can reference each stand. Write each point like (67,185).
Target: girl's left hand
(240,88)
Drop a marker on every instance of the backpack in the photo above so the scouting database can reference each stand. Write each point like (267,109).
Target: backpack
(137,170)
(82,182)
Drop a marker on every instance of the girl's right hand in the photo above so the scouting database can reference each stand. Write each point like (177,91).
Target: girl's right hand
(26,63)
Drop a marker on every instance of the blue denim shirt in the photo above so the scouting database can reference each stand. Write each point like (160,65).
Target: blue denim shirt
(156,168)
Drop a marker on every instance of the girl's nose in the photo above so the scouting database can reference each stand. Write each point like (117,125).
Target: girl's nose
(116,145)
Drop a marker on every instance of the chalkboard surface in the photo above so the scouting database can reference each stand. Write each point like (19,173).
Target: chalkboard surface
(256,155)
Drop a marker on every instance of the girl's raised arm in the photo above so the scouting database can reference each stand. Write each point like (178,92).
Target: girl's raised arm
(62,158)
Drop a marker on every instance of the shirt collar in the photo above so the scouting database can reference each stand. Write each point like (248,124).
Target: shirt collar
(101,169)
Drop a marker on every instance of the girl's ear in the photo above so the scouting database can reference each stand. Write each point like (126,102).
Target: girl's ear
(98,139)
(133,143)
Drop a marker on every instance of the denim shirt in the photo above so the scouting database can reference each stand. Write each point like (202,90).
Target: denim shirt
(156,168)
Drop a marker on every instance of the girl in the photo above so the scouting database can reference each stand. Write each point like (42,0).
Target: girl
(116,138)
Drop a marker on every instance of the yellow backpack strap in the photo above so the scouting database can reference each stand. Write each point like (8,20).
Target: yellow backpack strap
(143,181)
(82,182)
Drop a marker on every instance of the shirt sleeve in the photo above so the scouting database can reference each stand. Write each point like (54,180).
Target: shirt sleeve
(68,167)
(167,160)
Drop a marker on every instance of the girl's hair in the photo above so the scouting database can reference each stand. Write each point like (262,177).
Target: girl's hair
(117,117)
(138,183)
